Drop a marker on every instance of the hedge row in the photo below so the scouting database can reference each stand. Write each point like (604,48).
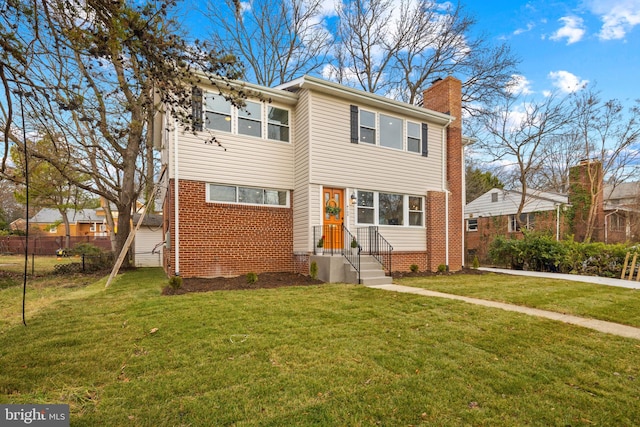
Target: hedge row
(541,252)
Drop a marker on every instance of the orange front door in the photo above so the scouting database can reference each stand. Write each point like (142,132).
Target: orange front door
(333,208)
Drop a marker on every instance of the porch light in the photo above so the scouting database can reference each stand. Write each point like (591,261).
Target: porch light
(353,199)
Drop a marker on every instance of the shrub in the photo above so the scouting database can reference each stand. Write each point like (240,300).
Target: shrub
(252,278)
(476,263)
(414,268)
(86,249)
(175,282)
(313,270)
(442,268)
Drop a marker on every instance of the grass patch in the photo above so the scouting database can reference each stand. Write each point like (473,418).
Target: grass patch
(325,355)
(620,305)
(43,288)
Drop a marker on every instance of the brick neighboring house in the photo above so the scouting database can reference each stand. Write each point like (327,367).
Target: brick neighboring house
(494,214)
(82,222)
(318,157)
(617,212)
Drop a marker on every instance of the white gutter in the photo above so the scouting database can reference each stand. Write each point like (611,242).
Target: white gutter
(176,199)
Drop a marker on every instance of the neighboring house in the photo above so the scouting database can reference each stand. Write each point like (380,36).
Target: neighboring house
(617,213)
(622,212)
(19,224)
(83,222)
(494,213)
(316,159)
(149,241)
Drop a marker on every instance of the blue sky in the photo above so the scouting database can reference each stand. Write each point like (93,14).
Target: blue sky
(563,43)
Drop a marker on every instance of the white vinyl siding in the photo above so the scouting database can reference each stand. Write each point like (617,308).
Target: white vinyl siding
(337,162)
(239,159)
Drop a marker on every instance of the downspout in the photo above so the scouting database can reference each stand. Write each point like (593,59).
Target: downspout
(445,188)
(176,200)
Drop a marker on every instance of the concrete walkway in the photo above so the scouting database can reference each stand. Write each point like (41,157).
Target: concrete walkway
(631,284)
(598,325)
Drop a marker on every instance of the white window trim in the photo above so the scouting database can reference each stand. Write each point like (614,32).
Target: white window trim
(209,200)
(235,116)
(406,210)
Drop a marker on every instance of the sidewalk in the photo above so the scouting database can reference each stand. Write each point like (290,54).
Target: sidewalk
(631,284)
(598,325)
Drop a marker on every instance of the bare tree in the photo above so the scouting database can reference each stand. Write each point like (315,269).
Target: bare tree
(276,41)
(397,49)
(515,131)
(560,153)
(102,70)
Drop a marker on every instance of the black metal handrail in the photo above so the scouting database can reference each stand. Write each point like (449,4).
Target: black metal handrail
(377,246)
(352,250)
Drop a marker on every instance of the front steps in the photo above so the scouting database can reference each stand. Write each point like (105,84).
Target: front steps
(336,269)
(371,272)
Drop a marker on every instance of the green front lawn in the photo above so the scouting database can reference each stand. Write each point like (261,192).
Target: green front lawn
(326,355)
(620,305)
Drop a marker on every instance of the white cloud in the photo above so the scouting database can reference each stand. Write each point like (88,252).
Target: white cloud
(567,82)
(617,19)
(519,85)
(530,26)
(573,29)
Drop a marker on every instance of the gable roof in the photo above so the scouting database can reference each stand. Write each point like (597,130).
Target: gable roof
(51,215)
(507,202)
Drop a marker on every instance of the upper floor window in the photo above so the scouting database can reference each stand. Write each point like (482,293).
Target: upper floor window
(413,137)
(472,224)
(494,197)
(247,195)
(250,119)
(388,131)
(278,124)
(219,114)
(367,127)
(389,209)
(391,132)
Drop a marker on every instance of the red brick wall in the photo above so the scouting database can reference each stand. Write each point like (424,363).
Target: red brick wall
(228,240)
(445,96)
(436,230)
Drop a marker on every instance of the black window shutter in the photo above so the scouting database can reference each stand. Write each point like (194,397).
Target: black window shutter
(196,108)
(425,140)
(354,124)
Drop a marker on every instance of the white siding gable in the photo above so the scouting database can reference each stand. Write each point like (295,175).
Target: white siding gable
(497,202)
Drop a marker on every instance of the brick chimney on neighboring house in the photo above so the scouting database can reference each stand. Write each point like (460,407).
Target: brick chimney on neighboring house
(445,232)
(584,179)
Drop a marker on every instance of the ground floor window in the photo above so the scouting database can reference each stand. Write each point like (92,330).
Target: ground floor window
(379,208)
(527,222)
(472,224)
(247,195)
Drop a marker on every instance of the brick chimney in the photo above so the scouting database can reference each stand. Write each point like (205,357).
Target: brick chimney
(445,96)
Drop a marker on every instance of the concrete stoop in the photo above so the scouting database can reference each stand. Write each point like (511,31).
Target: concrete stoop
(336,269)
(371,272)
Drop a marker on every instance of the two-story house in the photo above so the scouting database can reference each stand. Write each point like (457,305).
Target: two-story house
(316,160)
